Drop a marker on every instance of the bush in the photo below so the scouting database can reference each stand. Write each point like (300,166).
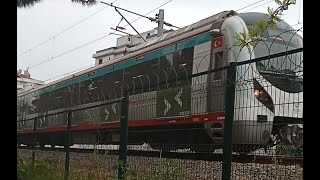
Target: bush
(289,150)
(42,169)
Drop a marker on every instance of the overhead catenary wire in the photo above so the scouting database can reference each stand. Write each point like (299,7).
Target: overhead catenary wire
(130,25)
(150,18)
(149,12)
(259,5)
(81,46)
(95,40)
(250,5)
(297,24)
(66,74)
(61,32)
(76,48)
(64,53)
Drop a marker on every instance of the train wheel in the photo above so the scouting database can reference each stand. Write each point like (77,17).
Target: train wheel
(52,146)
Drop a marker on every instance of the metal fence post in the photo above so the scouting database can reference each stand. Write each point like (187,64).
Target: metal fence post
(34,140)
(67,146)
(228,122)
(123,137)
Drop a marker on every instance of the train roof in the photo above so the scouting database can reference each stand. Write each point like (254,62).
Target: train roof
(251,18)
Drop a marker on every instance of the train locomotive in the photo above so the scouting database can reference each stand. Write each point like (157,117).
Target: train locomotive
(172,100)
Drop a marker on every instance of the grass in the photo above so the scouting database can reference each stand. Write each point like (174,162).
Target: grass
(45,169)
(50,168)
(289,150)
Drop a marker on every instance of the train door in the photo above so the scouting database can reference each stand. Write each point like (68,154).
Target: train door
(216,79)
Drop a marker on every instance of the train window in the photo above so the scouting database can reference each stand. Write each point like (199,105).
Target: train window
(151,75)
(83,93)
(142,77)
(175,68)
(108,84)
(91,88)
(117,83)
(63,98)
(49,104)
(218,63)
(132,78)
(69,95)
(183,65)
(45,99)
(59,98)
(166,71)
(99,89)
(129,84)
(75,94)
(103,85)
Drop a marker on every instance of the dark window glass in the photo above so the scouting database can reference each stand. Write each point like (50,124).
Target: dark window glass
(142,77)
(218,63)
(176,68)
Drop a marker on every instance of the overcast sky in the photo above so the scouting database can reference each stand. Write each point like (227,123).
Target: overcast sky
(48,18)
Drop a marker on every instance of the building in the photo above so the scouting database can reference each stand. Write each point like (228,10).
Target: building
(24,81)
(124,46)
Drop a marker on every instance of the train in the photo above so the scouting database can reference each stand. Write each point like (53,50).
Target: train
(176,95)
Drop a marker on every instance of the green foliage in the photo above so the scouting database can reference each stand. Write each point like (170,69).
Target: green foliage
(254,36)
(167,171)
(129,174)
(50,169)
(44,169)
(289,150)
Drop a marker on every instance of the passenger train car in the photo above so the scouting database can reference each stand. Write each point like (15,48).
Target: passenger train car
(170,101)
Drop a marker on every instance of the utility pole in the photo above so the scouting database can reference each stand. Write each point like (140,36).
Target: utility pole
(160,22)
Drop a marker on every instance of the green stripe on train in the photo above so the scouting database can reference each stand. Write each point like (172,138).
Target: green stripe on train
(131,62)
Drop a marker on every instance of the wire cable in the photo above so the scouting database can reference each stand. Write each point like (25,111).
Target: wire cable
(61,32)
(250,5)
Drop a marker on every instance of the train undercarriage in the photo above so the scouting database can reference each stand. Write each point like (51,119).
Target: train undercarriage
(196,137)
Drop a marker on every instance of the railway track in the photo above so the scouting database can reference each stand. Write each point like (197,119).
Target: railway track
(205,156)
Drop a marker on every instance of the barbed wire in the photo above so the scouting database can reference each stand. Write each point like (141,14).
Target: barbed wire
(178,78)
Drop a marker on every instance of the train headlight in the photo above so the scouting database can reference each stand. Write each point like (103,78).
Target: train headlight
(262,95)
(257,93)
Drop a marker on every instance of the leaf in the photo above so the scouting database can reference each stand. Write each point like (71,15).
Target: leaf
(244,35)
(270,11)
(279,2)
(277,19)
(261,24)
(292,2)
(254,36)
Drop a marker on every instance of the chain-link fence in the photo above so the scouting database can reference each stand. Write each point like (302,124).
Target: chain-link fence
(194,113)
